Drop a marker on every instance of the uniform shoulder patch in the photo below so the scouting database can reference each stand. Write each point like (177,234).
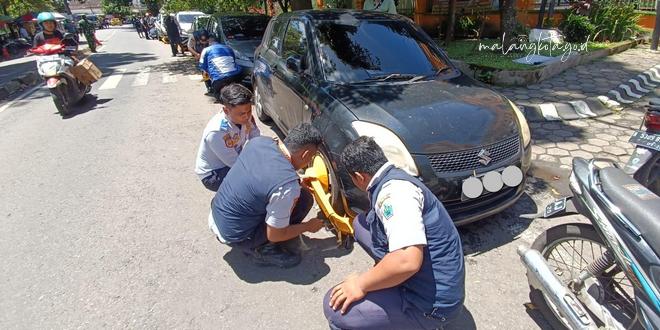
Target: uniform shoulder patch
(388,210)
(224,124)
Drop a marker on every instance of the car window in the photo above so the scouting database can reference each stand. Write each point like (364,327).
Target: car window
(276,37)
(244,27)
(354,51)
(295,40)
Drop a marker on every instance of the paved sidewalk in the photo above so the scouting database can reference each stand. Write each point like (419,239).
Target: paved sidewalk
(587,81)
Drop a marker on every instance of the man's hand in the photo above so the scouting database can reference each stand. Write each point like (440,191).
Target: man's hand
(314,225)
(346,293)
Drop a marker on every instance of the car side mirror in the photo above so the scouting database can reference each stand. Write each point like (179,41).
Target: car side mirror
(294,64)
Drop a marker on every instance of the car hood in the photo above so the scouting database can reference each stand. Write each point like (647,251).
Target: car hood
(433,116)
(247,47)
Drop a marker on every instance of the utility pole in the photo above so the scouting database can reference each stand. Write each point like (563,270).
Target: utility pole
(66,7)
(656,30)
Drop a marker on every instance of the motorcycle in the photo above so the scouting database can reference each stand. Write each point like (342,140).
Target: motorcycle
(53,66)
(605,274)
(644,163)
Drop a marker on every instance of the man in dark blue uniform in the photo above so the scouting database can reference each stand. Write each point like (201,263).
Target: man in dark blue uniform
(260,202)
(419,279)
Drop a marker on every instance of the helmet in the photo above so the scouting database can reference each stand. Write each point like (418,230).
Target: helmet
(45,16)
(83,16)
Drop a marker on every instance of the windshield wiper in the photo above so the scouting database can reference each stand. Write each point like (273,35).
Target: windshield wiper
(437,73)
(389,77)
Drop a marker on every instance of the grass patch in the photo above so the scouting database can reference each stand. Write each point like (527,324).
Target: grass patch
(466,51)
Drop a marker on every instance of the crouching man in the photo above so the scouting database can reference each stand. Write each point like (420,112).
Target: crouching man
(260,203)
(224,136)
(419,280)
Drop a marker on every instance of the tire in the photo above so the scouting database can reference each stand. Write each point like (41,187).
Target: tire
(258,106)
(60,103)
(543,243)
(649,174)
(335,186)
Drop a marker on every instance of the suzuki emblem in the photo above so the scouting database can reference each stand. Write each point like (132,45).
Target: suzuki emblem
(484,157)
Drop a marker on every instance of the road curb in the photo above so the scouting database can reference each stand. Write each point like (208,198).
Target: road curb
(20,83)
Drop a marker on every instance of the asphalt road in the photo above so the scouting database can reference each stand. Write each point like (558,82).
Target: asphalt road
(104,223)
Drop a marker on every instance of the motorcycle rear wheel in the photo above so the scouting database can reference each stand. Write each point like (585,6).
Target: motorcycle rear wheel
(569,249)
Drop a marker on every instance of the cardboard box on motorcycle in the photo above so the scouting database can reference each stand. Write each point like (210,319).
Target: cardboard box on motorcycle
(86,72)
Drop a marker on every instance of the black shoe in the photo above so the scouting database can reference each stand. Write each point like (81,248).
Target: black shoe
(274,255)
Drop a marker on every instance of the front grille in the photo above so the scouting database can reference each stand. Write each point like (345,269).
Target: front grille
(464,160)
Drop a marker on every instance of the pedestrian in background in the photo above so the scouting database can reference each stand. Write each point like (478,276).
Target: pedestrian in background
(138,27)
(173,34)
(88,29)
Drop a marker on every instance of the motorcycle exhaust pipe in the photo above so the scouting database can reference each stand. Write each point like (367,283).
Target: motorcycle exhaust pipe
(541,277)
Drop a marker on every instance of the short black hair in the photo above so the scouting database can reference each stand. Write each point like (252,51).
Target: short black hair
(302,135)
(235,94)
(363,155)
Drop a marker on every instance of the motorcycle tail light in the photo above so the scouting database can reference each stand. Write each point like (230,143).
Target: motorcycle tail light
(652,121)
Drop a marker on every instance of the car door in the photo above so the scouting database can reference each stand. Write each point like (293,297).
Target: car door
(291,82)
(264,69)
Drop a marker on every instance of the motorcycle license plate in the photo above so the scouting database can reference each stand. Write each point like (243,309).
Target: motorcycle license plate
(645,139)
(555,207)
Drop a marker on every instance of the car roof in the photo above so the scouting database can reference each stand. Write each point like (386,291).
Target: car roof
(341,14)
(239,14)
(191,13)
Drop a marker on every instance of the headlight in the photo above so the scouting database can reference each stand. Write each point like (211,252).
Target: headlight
(524,127)
(395,151)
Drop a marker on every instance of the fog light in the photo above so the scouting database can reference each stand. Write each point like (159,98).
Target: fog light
(493,181)
(472,187)
(512,176)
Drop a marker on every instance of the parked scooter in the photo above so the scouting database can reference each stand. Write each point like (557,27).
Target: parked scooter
(644,163)
(53,65)
(602,275)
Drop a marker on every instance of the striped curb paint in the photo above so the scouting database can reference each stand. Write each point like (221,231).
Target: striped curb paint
(571,110)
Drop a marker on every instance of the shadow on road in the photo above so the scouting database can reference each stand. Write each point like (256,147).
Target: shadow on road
(490,233)
(182,65)
(108,62)
(312,268)
(89,102)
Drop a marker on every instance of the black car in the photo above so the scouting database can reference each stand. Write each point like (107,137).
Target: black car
(353,73)
(242,32)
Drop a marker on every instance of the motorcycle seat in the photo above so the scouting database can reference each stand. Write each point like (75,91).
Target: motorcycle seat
(637,203)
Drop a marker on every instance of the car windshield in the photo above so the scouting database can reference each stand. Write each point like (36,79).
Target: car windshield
(245,27)
(92,18)
(367,50)
(186,18)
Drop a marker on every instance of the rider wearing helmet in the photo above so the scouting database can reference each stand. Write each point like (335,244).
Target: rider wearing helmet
(49,33)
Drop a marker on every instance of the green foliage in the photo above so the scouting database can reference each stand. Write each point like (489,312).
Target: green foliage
(116,7)
(577,28)
(19,7)
(209,6)
(466,25)
(614,21)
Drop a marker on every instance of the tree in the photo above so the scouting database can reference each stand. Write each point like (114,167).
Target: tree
(19,7)
(508,22)
(451,22)
(116,7)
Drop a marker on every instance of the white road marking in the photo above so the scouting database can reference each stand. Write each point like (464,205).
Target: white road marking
(113,80)
(582,109)
(142,78)
(168,78)
(195,77)
(549,111)
(20,97)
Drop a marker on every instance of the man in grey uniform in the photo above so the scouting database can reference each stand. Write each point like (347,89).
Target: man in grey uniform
(224,136)
(260,203)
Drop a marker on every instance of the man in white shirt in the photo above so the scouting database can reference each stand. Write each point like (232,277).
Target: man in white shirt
(224,136)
